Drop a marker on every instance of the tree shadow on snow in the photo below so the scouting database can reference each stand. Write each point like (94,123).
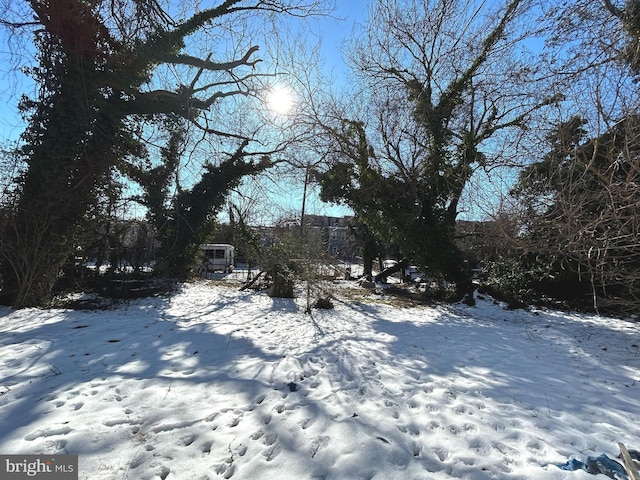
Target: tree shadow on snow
(64,356)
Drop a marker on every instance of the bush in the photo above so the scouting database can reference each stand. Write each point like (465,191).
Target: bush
(323,303)
(509,281)
(535,279)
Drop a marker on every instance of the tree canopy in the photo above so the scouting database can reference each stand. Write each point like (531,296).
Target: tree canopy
(104,72)
(162,105)
(442,82)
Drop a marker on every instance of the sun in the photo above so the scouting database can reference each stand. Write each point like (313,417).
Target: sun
(280,100)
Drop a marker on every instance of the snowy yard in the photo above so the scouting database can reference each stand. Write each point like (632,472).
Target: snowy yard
(215,383)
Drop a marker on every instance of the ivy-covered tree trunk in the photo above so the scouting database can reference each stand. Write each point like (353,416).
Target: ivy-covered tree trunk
(188,220)
(44,230)
(69,150)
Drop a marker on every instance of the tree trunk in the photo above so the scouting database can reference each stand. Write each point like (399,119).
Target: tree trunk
(387,272)
(369,254)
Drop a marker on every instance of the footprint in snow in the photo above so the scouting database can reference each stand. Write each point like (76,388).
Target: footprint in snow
(441,453)
(432,408)
(460,410)
(499,427)
(270,439)
(226,470)
(416,449)
(411,430)
(455,429)
(50,432)
(307,422)
(478,444)
(470,428)
(316,444)
(433,425)
(164,473)
(272,452)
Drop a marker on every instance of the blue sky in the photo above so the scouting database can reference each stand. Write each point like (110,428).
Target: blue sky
(13,83)
(332,31)
(335,31)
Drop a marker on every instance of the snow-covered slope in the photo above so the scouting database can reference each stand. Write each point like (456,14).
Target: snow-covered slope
(217,383)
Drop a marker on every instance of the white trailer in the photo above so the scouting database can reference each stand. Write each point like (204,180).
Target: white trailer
(216,257)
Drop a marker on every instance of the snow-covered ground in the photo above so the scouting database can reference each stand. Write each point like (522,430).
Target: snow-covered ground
(215,383)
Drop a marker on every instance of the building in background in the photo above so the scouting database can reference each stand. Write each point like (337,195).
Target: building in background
(334,234)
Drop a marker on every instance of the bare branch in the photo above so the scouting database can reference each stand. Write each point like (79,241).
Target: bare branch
(16,25)
(206,64)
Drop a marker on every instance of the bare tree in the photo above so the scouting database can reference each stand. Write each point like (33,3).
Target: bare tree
(578,204)
(447,91)
(582,209)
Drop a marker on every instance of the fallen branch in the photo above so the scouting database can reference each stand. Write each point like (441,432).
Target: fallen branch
(250,284)
(387,272)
